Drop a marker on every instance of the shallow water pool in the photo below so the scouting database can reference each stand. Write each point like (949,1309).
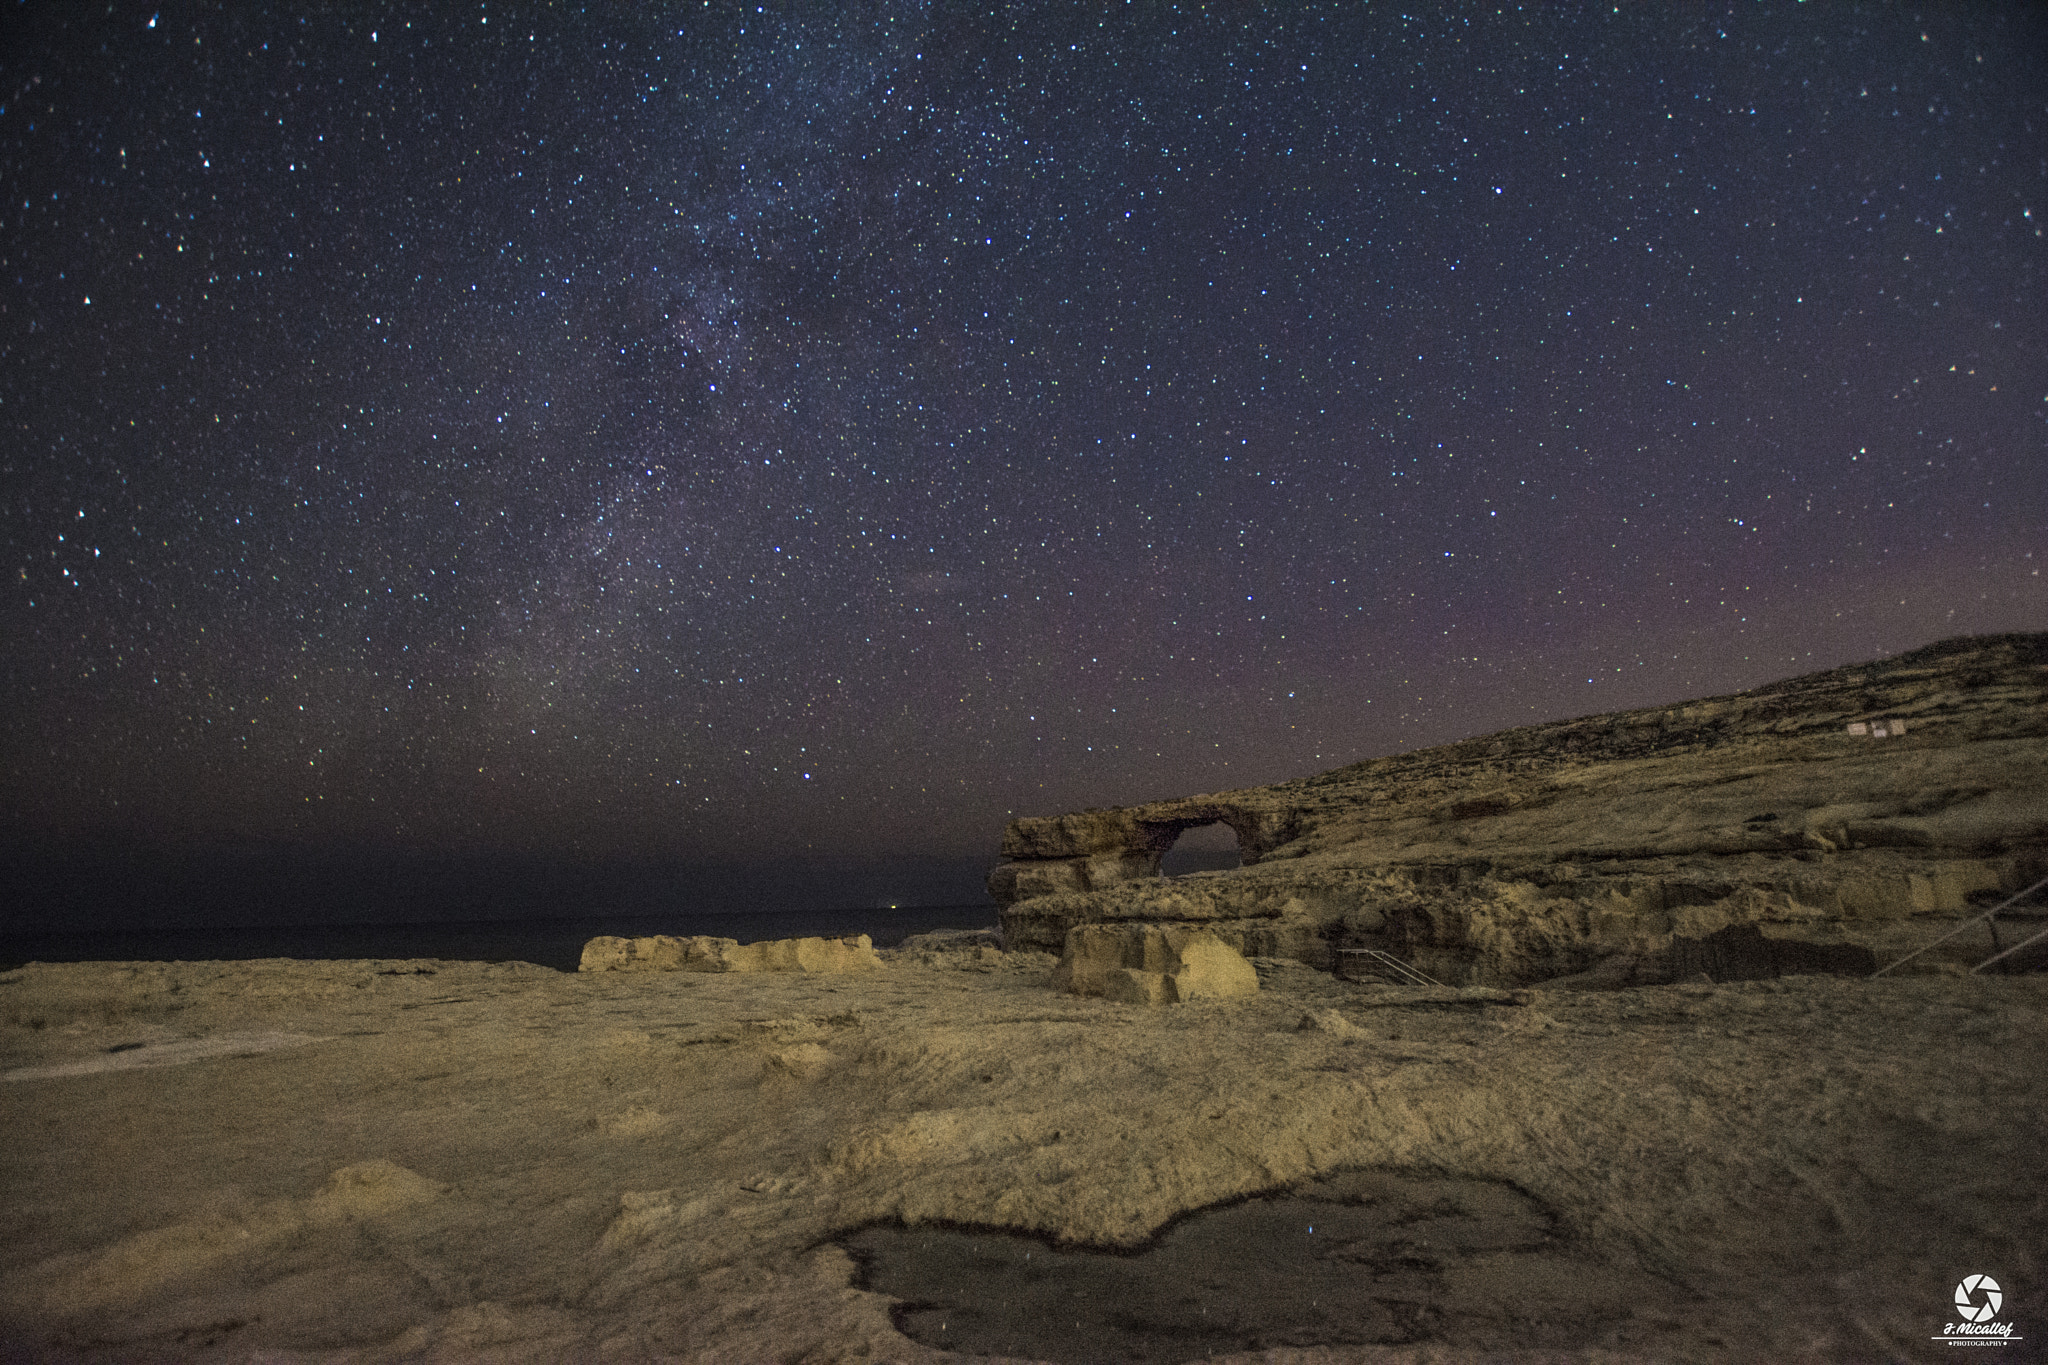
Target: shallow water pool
(1368,1257)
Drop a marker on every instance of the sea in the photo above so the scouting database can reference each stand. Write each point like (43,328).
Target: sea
(122,904)
(556,943)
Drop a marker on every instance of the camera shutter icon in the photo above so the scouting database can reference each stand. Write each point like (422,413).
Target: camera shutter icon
(1967,1306)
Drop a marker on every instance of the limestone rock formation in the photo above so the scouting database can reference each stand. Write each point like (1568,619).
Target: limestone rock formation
(1830,822)
(1146,964)
(1096,849)
(966,950)
(661,953)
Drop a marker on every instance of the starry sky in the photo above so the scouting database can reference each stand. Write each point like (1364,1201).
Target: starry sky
(717,431)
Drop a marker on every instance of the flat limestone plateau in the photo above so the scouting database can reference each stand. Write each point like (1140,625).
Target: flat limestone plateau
(406,1161)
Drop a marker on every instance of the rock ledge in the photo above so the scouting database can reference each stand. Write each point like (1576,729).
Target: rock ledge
(661,953)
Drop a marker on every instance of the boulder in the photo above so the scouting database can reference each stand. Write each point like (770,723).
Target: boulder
(1152,964)
(662,953)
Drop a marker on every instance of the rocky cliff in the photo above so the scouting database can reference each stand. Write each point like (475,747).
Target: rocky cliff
(1831,822)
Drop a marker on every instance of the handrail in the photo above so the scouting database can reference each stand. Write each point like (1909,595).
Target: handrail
(2023,943)
(1387,962)
(1968,924)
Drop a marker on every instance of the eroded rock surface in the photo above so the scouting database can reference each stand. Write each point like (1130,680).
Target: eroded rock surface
(1150,964)
(702,953)
(1797,827)
(499,1162)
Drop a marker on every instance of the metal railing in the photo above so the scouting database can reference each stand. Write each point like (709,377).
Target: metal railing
(1984,919)
(1372,959)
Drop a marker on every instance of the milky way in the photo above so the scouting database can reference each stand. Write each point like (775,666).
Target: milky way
(712,429)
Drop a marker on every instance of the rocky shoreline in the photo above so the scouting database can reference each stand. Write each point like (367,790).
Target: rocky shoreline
(1652,1105)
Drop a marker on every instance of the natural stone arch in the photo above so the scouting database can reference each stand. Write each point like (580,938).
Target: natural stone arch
(1093,850)
(1202,848)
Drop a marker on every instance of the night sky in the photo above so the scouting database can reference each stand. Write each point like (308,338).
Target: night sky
(714,431)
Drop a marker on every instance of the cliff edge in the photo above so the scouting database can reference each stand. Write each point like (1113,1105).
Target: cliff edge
(1831,822)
